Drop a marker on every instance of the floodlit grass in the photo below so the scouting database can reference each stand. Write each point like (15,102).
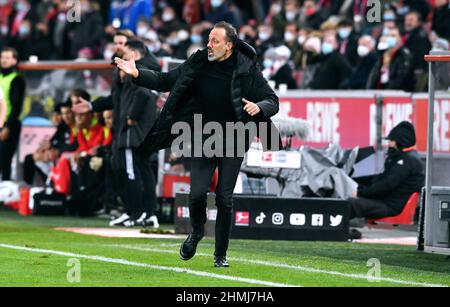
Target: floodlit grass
(152,262)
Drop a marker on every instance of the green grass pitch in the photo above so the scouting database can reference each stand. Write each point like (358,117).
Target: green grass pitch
(32,253)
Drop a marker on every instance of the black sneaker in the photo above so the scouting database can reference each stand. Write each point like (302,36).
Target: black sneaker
(220,262)
(354,234)
(189,246)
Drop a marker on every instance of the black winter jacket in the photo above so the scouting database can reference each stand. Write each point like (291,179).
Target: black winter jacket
(400,72)
(130,102)
(247,82)
(403,175)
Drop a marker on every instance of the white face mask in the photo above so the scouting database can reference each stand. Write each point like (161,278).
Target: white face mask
(166,17)
(154,47)
(290,15)
(382,46)
(216,3)
(263,36)
(183,35)
(363,50)
(301,39)
(276,8)
(288,37)
(141,31)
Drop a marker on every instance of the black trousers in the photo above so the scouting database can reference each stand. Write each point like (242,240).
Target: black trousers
(30,169)
(202,170)
(7,150)
(139,183)
(369,208)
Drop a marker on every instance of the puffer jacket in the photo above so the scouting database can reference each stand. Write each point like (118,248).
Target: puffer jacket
(247,82)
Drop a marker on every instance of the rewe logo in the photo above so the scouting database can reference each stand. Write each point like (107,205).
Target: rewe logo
(242,218)
(335,220)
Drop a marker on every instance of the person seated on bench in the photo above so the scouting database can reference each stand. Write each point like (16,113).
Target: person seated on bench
(386,194)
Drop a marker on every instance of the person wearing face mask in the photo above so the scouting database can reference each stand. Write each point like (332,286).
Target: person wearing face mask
(291,41)
(393,69)
(366,59)
(281,71)
(220,11)
(13,87)
(154,45)
(183,42)
(386,194)
(348,41)
(333,69)
(128,13)
(264,41)
(289,14)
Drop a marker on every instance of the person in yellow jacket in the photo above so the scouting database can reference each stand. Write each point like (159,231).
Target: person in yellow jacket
(2,109)
(13,88)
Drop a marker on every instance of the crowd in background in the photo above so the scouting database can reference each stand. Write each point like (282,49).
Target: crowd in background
(300,43)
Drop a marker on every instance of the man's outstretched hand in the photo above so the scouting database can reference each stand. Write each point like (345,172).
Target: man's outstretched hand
(83,106)
(128,67)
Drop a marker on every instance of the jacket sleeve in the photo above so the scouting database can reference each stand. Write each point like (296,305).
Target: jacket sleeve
(102,103)
(264,96)
(16,96)
(387,182)
(158,81)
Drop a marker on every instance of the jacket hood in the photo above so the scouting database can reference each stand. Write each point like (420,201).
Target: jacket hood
(403,134)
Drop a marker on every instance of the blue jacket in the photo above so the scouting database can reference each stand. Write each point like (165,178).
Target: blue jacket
(129,12)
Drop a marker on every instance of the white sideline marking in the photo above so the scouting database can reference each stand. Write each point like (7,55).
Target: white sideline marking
(145,265)
(288,266)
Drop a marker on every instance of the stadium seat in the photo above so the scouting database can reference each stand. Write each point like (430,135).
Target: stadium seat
(406,217)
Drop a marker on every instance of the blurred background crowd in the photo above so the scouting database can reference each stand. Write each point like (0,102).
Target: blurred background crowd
(300,43)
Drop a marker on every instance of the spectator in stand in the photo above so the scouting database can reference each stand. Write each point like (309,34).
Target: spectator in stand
(86,34)
(265,40)
(366,59)
(416,40)
(281,70)
(291,41)
(31,41)
(154,45)
(348,41)
(311,15)
(248,34)
(331,64)
(393,69)
(170,22)
(143,26)
(310,59)
(220,11)
(389,22)
(126,14)
(441,18)
(290,13)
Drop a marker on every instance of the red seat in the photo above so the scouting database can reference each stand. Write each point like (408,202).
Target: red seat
(406,217)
